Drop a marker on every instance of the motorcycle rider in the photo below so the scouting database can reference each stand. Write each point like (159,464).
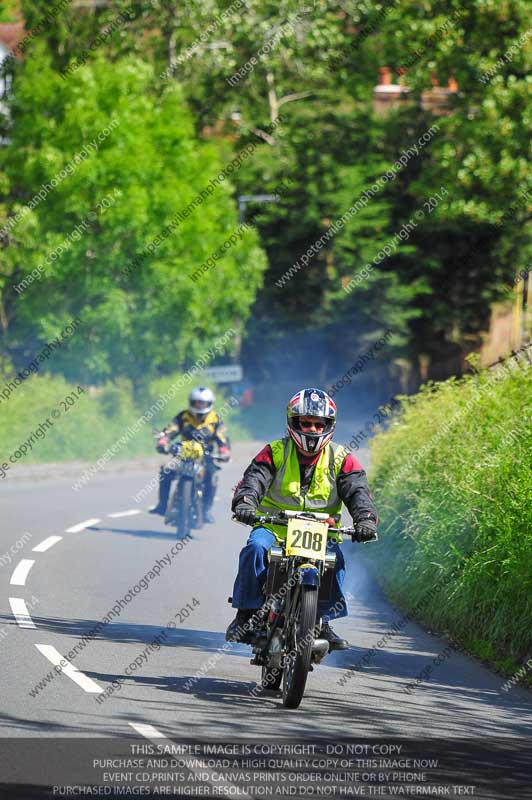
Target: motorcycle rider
(202,424)
(304,470)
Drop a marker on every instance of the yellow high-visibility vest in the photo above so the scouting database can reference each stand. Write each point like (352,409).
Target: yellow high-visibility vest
(285,489)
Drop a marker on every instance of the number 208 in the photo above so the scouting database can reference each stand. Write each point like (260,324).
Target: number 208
(308,540)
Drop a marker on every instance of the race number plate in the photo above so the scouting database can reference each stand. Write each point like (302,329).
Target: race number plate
(306,538)
(191,450)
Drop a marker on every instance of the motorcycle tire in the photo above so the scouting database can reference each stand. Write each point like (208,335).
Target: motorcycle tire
(297,660)
(199,511)
(184,509)
(172,506)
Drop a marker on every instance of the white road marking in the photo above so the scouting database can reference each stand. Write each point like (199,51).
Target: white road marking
(82,525)
(72,672)
(215,778)
(45,545)
(20,573)
(148,731)
(130,513)
(21,613)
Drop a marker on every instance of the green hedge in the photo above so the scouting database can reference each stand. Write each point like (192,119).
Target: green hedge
(452,482)
(98,417)
(84,431)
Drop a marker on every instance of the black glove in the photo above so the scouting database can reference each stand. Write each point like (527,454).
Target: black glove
(366,530)
(245,513)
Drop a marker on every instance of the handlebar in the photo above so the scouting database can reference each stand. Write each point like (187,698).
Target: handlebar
(283,516)
(175,447)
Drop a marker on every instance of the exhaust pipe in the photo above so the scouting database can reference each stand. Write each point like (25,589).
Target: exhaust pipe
(320,648)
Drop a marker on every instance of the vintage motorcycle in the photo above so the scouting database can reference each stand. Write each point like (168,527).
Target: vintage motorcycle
(185,507)
(284,632)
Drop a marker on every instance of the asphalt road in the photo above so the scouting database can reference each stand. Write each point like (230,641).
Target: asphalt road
(185,685)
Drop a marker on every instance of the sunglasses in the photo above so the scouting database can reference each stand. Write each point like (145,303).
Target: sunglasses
(305,425)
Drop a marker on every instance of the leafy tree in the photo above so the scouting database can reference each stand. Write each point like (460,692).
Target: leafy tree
(481,235)
(141,312)
(8,10)
(304,292)
(304,91)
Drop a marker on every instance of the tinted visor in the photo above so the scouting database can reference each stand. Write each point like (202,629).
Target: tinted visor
(200,405)
(307,425)
(325,426)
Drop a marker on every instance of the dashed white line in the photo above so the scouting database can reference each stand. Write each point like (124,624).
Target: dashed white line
(148,731)
(21,613)
(20,573)
(214,778)
(129,513)
(82,525)
(72,672)
(45,545)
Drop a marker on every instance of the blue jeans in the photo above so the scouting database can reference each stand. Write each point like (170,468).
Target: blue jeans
(253,566)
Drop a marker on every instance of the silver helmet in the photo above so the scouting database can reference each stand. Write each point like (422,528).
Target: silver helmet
(200,401)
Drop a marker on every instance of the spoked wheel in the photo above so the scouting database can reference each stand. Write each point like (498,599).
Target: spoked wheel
(297,660)
(198,511)
(184,509)
(271,678)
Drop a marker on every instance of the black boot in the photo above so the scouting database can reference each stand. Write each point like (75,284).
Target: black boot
(209,490)
(165,481)
(238,630)
(335,641)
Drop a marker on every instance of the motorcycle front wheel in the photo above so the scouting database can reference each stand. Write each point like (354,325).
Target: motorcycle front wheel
(198,513)
(297,660)
(184,509)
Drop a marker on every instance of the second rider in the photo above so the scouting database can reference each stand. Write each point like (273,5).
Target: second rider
(201,423)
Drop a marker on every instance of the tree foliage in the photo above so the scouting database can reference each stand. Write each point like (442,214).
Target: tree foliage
(141,312)
(294,80)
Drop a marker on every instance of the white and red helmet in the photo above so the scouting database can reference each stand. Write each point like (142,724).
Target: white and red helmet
(311,403)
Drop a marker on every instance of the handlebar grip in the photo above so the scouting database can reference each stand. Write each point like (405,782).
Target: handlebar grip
(364,539)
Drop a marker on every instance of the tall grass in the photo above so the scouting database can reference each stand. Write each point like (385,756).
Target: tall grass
(452,480)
